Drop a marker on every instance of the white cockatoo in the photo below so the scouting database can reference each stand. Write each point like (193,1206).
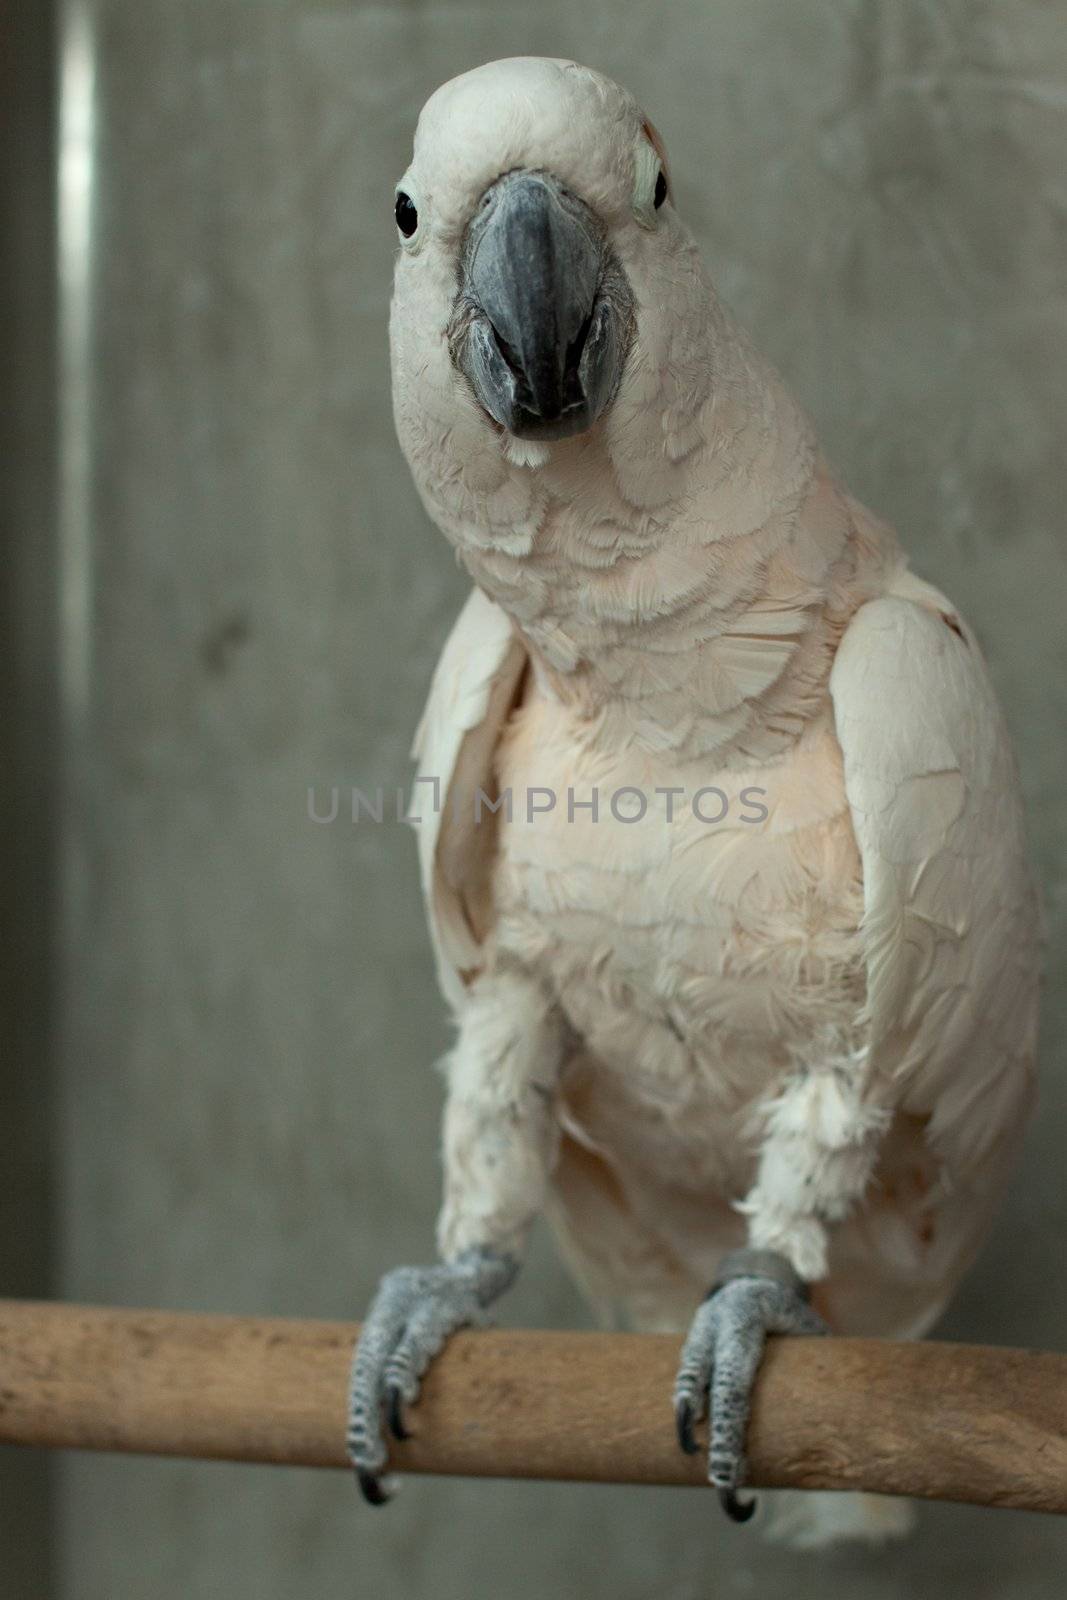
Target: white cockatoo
(721,835)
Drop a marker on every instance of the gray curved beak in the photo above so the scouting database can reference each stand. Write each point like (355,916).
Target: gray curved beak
(543,320)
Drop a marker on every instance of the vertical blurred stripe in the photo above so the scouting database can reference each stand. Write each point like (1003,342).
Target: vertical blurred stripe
(77,118)
(28,744)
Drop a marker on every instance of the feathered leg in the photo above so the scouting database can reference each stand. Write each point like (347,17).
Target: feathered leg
(500,1138)
(821,1144)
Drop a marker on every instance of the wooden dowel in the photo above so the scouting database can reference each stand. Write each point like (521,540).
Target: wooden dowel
(934,1420)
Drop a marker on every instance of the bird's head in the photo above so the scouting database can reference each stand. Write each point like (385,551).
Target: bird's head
(538,241)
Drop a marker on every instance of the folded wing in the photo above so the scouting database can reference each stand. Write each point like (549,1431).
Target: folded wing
(951,922)
(474,690)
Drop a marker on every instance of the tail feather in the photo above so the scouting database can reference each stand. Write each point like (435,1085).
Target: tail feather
(813,1519)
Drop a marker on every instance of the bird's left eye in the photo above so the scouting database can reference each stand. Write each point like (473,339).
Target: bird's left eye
(407,218)
(652,187)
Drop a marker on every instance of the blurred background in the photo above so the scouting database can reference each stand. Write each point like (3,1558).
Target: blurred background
(219,1019)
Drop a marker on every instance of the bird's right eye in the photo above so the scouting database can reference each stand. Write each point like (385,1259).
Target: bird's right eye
(407,218)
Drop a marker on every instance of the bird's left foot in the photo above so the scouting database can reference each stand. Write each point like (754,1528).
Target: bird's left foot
(756,1292)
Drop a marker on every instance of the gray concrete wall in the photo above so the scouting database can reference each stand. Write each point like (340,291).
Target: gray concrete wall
(248,1112)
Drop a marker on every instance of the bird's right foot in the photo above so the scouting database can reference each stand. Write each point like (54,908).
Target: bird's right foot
(414,1312)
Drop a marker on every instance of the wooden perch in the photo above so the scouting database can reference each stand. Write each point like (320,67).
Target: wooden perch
(938,1421)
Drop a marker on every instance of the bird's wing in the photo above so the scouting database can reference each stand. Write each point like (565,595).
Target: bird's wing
(951,920)
(474,690)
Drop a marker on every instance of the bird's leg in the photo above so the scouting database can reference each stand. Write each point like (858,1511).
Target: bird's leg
(500,1139)
(821,1144)
(756,1292)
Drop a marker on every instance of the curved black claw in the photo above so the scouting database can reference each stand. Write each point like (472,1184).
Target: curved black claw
(684,1418)
(737,1510)
(394,1414)
(371,1489)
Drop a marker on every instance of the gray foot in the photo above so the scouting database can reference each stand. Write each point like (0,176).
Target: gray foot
(756,1293)
(413,1313)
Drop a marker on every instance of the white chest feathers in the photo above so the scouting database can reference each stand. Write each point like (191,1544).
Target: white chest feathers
(699,929)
